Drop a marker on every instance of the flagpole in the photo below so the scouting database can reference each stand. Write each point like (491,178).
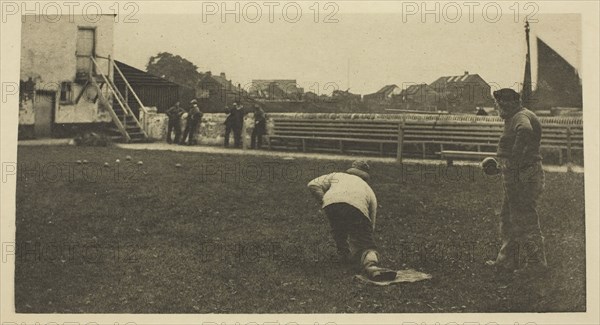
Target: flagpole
(527,89)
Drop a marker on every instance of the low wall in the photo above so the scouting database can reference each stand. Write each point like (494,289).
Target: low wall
(211,132)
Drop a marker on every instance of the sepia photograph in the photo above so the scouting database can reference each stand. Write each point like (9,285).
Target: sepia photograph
(308,157)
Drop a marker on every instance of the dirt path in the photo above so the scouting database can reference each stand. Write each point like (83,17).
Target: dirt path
(294,155)
(281,154)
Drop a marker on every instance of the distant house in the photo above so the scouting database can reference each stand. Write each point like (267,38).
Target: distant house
(345,95)
(310,96)
(463,93)
(214,85)
(215,92)
(419,97)
(276,89)
(274,92)
(345,101)
(383,95)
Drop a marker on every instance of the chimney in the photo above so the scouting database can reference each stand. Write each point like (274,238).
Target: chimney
(223,75)
(208,73)
(466,73)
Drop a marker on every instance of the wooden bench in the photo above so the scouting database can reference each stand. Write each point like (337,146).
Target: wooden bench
(453,136)
(312,134)
(477,135)
(453,139)
(563,138)
(451,155)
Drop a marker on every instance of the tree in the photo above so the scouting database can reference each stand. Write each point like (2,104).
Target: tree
(174,68)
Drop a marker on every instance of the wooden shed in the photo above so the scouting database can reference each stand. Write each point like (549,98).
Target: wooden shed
(153,91)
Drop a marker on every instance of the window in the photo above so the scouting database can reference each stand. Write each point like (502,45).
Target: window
(66,92)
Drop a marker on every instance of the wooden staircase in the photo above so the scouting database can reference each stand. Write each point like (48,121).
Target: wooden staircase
(126,127)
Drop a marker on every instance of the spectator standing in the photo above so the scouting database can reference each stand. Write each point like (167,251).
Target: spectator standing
(260,127)
(174,113)
(193,122)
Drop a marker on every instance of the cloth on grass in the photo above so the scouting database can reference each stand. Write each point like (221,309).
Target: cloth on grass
(408,275)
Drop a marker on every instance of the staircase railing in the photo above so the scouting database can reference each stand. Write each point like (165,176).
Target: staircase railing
(119,97)
(142,107)
(120,125)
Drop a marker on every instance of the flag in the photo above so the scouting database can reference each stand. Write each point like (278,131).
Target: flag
(558,82)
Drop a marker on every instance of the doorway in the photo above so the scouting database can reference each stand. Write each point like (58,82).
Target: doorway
(43,108)
(86,47)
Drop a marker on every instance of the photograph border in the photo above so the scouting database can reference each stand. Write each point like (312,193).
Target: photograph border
(10,32)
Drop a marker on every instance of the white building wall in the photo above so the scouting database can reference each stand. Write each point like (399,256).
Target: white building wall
(48,57)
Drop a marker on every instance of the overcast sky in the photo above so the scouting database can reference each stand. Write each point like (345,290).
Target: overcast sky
(362,52)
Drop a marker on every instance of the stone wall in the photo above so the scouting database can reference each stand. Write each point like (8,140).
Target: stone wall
(212,129)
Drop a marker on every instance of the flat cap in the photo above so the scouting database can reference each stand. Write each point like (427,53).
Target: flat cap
(506,95)
(361,169)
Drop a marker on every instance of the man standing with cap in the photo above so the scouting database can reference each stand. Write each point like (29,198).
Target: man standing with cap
(237,124)
(520,163)
(193,122)
(174,113)
(228,125)
(351,207)
(260,127)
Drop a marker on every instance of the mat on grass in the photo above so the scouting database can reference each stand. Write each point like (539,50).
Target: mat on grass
(401,276)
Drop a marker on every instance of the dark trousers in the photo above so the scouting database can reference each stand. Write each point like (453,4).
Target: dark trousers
(190,131)
(237,136)
(228,129)
(256,138)
(350,226)
(174,125)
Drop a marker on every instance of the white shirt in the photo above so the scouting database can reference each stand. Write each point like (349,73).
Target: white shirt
(346,188)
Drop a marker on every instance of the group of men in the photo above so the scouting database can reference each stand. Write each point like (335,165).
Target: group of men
(234,122)
(351,205)
(193,117)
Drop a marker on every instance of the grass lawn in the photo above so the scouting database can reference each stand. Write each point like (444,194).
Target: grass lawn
(159,239)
